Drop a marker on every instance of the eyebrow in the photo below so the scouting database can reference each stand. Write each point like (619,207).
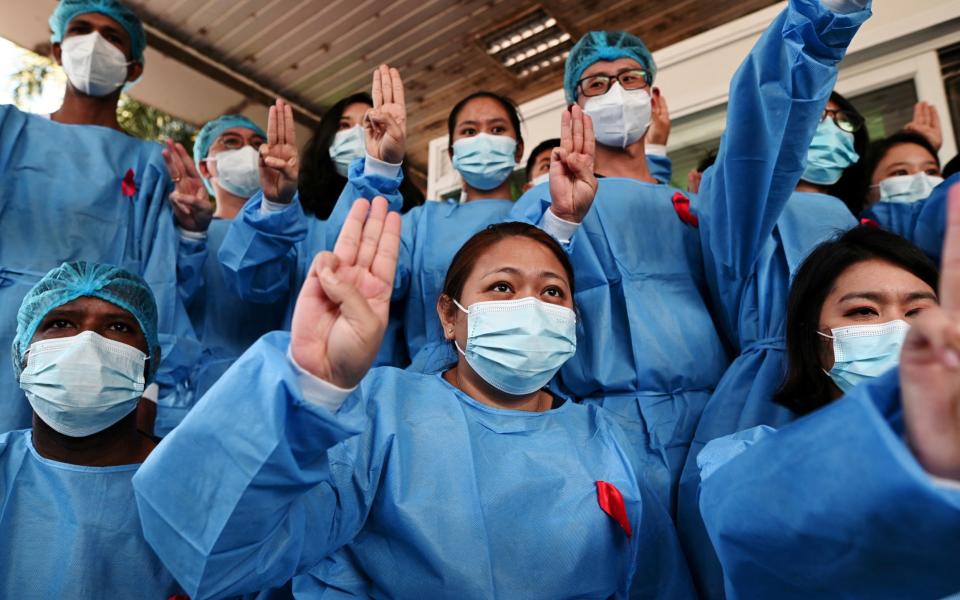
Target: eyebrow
(475,122)
(878,297)
(513,271)
(71,313)
(904,163)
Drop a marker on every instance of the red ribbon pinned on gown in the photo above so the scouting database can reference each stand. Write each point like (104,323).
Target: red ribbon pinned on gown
(681,204)
(611,501)
(129,184)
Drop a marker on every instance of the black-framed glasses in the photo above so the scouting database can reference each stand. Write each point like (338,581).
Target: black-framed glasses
(846,121)
(629,79)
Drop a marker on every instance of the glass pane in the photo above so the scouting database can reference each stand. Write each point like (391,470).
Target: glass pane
(687,158)
(950,66)
(887,110)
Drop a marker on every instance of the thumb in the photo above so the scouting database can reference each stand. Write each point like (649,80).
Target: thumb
(353,306)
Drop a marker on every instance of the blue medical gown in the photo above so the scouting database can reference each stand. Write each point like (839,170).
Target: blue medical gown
(647,347)
(756,231)
(70,531)
(62,199)
(431,235)
(922,222)
(832,505)
(266,256)
(427,492)
(225,324)
(661,167)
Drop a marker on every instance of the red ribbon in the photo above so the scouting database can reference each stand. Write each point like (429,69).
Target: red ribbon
(179,597)
(129,184)
(611,501)
(869,223)
(681,204)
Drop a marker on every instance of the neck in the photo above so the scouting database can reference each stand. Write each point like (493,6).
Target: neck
(228,205)
(80,109)
(501,192)
(119,444)
(467,381)
(806,186)
(630,162)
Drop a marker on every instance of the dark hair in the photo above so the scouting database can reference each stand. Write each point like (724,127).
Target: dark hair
(507,104)
(880,148)
(806,387)
(707,161)
(848,188)
(466,257)
(543,146)
(952,167)
(320,185)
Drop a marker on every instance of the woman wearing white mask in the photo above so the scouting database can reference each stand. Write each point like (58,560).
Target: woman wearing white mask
(867,486)
(338,141)
(86,347)
(472,482)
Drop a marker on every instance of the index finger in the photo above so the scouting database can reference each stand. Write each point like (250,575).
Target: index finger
(348,242)
(589,138)
(577,119)
(288,125)
(187,160)
(566,135)
(281,123)
(384,265)
(950,270)
(272,125)
(377,91)
(387,84)
(397,87)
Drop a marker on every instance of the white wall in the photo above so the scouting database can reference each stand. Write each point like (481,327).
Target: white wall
(898,43)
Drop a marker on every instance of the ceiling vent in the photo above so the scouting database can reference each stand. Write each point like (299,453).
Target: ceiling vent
(529,44)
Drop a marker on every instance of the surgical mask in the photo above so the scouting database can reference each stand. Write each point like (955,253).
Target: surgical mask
(485,161)
(83,384)
(238,171)
(93,65)
(540,179)
(517,346)
(862,352)
(829,155)
(620,117)
(905,189)
(348,145)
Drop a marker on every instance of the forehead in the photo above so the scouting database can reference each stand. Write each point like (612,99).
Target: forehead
(482,109)
(90,306)
(878,276)
(909,153)
(244,132)
(521,253)
(99,20)
(543,155)
(355,109)
(610,67)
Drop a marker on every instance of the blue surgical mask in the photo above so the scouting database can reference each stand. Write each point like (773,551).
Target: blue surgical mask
(517,346)
(83,384)
(348,145)
(829,155)
(905,189)
(862,352)
(485,161)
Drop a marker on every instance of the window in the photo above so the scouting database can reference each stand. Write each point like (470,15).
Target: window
(950,66)
(888,109)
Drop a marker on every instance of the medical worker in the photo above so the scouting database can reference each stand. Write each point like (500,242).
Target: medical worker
(85,348)
(75,186)
(866,489)
(268,248)
(337,142)
(757,228)
(226,164)
(473,481)
(538,163)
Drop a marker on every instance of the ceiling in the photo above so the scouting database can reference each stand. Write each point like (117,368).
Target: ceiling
(315,52)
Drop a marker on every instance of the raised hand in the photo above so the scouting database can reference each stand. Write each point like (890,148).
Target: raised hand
(930,365)
(344,304)
(926,122)
(572,182)
(279,159)
(385,125)
(659,131)
(191,204)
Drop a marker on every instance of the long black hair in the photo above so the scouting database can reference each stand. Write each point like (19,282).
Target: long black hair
(849,187)
(806,387)
(320,185)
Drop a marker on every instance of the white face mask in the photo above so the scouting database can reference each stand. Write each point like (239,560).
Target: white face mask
(238,171)
(93,65)
(540,179)
(83,384)
(908,188)
(620,117)
(348,145)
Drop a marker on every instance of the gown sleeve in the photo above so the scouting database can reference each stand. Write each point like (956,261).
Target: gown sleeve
(364,182)
(191,256)
(833,505)
(660,166)
(776,98)
(249,490)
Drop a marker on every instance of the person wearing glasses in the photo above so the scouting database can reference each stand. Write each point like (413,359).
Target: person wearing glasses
(650,349)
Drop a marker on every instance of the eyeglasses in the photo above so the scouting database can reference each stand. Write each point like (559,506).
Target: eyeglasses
(846,121)
(598,85)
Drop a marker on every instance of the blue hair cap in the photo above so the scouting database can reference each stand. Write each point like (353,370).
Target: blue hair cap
(68,9)
(212,130)
(603,45)
(78,279)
